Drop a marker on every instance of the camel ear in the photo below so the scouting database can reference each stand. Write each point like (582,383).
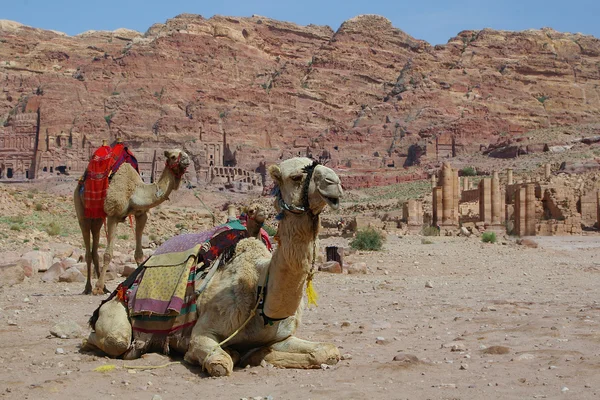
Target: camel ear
(275,173)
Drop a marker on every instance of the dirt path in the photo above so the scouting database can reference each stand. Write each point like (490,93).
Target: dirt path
(541,305)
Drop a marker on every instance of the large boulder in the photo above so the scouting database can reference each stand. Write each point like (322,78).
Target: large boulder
(71,275)
(11,275)
(54,272)
(40,260)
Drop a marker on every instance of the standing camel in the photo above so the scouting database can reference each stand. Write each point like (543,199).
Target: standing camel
(127,195)
(253,304)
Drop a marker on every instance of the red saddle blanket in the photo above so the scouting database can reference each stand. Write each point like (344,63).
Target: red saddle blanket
(105,161)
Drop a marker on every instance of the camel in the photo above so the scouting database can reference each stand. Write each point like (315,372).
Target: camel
(255,219)
(127,195)
(232,325)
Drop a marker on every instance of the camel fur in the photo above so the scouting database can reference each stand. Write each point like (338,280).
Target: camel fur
(127,195)
(231,296)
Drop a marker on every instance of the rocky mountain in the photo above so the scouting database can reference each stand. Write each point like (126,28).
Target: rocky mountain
(363,96)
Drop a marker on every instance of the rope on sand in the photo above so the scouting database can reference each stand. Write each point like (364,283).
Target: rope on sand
(151,366)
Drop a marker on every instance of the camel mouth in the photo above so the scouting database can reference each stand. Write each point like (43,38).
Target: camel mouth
(333,202)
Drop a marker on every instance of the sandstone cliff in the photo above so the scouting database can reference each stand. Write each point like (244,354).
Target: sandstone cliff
(360,96)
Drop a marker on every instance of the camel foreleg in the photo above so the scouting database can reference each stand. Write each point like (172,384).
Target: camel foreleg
(295,353)
(111,227)
(204,350)
(140,224)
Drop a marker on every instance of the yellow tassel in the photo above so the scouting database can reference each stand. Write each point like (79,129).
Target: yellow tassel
(311,293)
(105,368)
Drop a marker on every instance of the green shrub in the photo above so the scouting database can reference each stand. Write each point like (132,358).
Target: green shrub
(270,230)
(367,239)
(430,231)
(17,219)
(468,171)
(15,228)
(53,229)
(38,207)
(488,237)
(123,237)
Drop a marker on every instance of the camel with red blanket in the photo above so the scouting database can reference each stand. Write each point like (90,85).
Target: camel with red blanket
(96,201)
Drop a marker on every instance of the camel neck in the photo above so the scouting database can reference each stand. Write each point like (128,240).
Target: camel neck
(148,196)
(289,266)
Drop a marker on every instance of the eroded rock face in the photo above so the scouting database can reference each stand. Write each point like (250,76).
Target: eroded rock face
(360,96)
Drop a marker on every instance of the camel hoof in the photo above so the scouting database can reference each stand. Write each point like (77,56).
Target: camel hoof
(87,290)
(98,291)
(219,366)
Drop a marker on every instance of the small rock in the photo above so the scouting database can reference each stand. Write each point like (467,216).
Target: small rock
(67,329)
(358,268)
(347,356)
(464,366)
(71,275)
(128,269)
(54,272)
(564,389)
(496,350)
(428,284)
(325,366)
(404,358)
(60,350)
(380,340)
(10,322)
(528,243)
(333,267)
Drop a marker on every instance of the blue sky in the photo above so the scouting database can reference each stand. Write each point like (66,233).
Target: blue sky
(433,20)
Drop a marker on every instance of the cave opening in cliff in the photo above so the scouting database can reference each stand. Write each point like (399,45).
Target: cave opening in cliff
(9,173)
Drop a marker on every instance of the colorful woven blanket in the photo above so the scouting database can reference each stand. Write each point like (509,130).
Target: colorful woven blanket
(161,287)
(105,161)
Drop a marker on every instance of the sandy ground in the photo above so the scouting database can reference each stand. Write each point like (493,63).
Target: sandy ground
(540,304)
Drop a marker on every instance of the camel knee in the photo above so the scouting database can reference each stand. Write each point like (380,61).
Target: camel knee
(326,353)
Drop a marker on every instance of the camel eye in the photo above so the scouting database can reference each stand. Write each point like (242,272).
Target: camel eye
(296,178)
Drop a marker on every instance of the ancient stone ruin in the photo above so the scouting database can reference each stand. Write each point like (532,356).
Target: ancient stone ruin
(548,204)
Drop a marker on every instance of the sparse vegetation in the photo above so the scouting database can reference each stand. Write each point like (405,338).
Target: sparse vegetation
(430,231)
(426,241)
(53,229)
(542,98)
(468,171)
(123,237)
(38,207)
(488,237)
(368,239)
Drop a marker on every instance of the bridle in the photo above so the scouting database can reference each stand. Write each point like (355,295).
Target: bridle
(305,207)
(175,167)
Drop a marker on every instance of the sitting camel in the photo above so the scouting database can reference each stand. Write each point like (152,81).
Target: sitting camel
(228,324)
(127,195)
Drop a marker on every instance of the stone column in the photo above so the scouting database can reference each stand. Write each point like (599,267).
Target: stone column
(456,198)
(530,213)
(433,181)
(509,176)
(485,201)
(496,202)
(437,205)
(520,211)
(547,171)
(466,183)
(413,213)
(447,194)
(598,209)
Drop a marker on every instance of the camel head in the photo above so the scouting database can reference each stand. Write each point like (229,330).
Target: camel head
(255,211)
(177,163)
(298,195)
